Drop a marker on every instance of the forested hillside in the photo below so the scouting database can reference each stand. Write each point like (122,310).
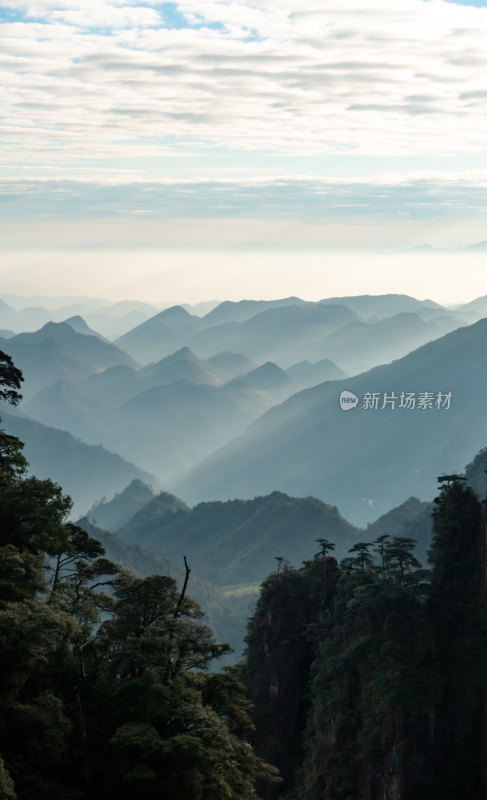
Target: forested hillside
(368,676)
(236,542)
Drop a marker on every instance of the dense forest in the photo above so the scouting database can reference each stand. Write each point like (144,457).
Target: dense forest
(363,678)
(369,676)
(103,688)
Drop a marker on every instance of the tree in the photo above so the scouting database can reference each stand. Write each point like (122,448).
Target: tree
(399,558)
(10,380)
(169,729)
(325,546)
(13,463)
(103,688)
(380,550)
(280,562)
(363,558)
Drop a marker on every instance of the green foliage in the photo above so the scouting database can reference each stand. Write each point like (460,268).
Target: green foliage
(10,380)
(457,609)
(325,546)
(192,751)
(363,559)
(32,514)
(12,462)
(399,560)
(236,542)
(393,664)
(103,684)
(368,686)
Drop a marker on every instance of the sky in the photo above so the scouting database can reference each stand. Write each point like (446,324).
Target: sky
(187,151)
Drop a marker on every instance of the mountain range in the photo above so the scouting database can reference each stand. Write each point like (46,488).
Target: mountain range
(364,460)
(236,543)
(185,416)
(167,415)
(59,352)
(110,319)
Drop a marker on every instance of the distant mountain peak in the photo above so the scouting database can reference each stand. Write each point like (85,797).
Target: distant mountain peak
(183,352)
(114,513)
(174,312)
(78,324)
(266,377)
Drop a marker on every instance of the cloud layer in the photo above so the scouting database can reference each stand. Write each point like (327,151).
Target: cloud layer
(305,200)
(93,83)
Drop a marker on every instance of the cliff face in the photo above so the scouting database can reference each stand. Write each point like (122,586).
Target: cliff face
(369,680)
(278,672)
(370,690)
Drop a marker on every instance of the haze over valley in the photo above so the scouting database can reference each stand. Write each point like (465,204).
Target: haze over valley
(243,398)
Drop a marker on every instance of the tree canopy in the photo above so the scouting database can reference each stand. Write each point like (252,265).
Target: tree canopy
(104,683)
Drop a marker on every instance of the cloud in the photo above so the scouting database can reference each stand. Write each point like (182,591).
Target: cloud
(355,77)
(305,200)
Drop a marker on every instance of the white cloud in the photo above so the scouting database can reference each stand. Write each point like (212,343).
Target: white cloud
(87,80)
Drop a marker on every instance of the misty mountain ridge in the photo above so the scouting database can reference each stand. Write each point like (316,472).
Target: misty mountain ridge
(78,324)
(229,365)
(109,319)
(160,335)
(267,377)
(163,414)
(305,374)
(64,406)
(167,427)
(241,310)
(112,514)
(478,306)
(384,305)
(361,345)
(233,543)
(44,364)
(84,471)
(174,412)
(153,514)
(117,385)
(181,365)
(100,353)
(285,334)
(364,461)
(58,352)
(236,542)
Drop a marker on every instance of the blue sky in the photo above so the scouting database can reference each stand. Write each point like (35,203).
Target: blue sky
(475,3)
(364,120)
